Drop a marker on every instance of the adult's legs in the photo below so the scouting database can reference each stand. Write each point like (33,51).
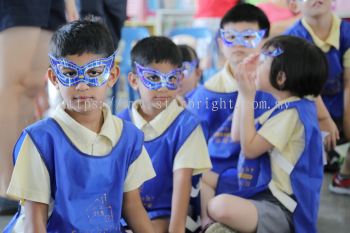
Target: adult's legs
(23,62)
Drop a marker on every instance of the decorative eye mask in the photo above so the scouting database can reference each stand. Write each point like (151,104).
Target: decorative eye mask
(94,73)
(248,38)
(270,53)
(189,67)
(153,79)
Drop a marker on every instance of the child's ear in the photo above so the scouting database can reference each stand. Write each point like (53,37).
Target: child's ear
(294,7)
(198,71)
(133,81)
(52,77)
(114,75)
(281,80)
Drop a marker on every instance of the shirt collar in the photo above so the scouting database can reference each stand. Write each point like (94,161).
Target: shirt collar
(108,129)
(162,121)
(333,37)
(223,81)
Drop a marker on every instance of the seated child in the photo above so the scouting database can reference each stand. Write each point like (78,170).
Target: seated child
(332,35)
(242,29)
(173,136)
(80,170)
(192,71)
(280,169)
(242,20)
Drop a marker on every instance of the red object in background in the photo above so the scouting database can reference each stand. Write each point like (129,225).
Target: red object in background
(213,8)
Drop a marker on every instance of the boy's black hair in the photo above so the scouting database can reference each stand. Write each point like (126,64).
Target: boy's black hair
(304,64)
(246,13)
(88,35)
(156,49)
(188,53)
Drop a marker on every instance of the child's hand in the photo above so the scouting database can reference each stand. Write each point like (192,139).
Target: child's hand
(329,126)
(245,76)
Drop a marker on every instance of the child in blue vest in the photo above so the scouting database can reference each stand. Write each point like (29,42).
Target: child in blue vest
(241,31)
(192,71)
(240,36)
(173,136)
(332,35)
(280,169)
(80,170)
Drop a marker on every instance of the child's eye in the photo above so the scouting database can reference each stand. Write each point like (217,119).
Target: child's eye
(69,73)
(173,79)
(230,37)
(94,72)
(249,37)
(153,78)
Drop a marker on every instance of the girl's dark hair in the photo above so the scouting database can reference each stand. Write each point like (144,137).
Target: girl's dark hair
(88,35)
(188,53)
(304,64)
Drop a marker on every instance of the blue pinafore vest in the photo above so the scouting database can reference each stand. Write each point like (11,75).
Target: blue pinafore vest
(253,176)
(215,109)
(333,91)
(156,194)
(87,190)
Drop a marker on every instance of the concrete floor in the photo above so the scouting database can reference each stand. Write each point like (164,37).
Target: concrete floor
(333,215)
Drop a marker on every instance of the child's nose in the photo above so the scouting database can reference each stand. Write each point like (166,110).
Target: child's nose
(82,86)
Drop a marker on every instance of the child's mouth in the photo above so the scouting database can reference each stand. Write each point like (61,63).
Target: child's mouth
(317,3)
(83,98)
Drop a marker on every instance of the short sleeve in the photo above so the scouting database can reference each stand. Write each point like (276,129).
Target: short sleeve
(139,171)
(193,153)
(279,129)
(30,178)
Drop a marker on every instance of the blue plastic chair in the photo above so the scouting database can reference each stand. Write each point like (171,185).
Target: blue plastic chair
(196,32)
(129,35)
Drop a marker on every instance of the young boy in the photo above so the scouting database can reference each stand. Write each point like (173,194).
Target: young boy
(173,136)
(332,35)
(80,170)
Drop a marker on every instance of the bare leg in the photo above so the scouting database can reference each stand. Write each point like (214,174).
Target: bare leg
(161,225)
(23,62)
(237,213)
(208,186)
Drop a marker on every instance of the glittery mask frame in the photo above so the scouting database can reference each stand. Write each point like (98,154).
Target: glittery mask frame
(241,38)
(81,71)
(270,53)
(141,71)
(188,67)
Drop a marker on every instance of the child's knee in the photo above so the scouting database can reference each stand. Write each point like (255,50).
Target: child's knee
(217,207)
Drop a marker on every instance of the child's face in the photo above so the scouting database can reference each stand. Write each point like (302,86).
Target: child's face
(156,99)
(82,97)
(192,75)
(236,53)
(263,71)
(315,8)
